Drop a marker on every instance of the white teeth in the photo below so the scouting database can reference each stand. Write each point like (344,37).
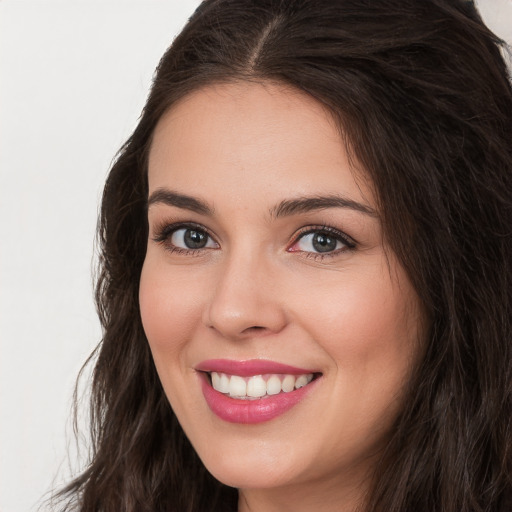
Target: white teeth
(301,381)
(259,385)
(215,380)
(220,382)
(273,385)
(256,387)
(288,383)
(237,386)
(224,383)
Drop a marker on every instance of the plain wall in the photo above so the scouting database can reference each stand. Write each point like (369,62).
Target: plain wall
(73,79)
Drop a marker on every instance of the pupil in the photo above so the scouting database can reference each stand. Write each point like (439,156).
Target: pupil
(323,242)
(195,239)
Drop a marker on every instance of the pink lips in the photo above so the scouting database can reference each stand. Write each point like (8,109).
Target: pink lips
(250,411)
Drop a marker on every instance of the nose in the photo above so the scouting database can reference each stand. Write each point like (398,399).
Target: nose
(246,300)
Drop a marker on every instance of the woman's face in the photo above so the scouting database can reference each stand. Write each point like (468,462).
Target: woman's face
(266,271)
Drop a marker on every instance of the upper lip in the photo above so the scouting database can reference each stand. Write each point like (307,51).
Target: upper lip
(249,367)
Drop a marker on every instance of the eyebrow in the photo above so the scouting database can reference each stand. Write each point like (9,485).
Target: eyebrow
(307,204)
(171,198)
(285,208)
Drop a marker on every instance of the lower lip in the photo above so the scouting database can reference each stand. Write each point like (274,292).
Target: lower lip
(252,411)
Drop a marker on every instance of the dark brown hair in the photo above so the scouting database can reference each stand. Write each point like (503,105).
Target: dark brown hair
(423,99)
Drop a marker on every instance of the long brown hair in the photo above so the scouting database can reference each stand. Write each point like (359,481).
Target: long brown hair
(423,99)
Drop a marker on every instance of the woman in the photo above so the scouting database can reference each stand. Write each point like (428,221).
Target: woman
(305,277)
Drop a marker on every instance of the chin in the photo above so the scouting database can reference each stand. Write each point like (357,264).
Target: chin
(246,476)
(252,468)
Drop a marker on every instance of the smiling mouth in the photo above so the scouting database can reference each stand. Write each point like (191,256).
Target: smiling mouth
(257,386)
(255,390)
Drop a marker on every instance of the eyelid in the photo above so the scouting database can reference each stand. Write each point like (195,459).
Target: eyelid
(340,235)
(164,230)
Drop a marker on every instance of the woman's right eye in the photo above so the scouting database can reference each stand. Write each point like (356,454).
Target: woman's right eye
(185,238)
(191,238)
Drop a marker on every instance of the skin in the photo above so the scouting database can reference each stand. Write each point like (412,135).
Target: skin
(259,289)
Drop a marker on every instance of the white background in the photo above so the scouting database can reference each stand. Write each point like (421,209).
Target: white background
(73,79)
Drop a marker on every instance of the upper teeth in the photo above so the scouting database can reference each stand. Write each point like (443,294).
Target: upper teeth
(258,385)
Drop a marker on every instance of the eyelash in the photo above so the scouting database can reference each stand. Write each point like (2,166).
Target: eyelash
(165,231)
(347,241)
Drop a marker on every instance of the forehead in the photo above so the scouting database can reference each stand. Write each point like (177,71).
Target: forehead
(256,105)
(261,136)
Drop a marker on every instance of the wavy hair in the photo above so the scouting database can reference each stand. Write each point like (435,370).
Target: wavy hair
(423,99)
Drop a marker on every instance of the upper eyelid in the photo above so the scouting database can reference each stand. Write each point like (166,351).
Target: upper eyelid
(350,241)
(169,227)
(162,231)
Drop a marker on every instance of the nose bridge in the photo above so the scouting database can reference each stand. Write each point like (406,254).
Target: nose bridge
(244,300)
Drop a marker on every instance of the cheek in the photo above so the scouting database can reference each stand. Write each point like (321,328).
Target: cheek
(169,306)
(369,324)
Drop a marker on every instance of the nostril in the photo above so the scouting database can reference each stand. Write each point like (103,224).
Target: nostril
(255,328)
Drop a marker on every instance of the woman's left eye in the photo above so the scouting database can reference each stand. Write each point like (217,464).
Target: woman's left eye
(321,242)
